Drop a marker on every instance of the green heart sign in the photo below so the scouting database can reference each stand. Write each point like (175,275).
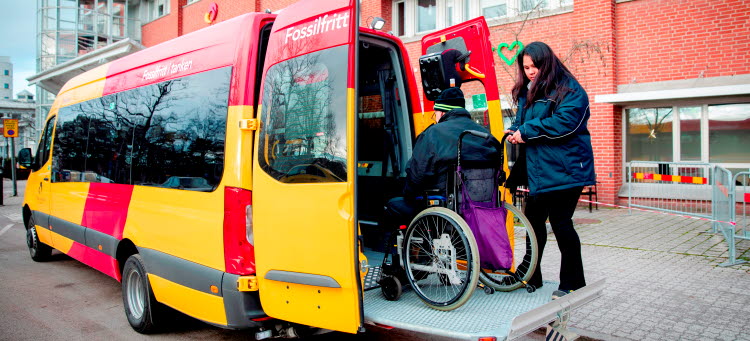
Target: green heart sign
(511,47)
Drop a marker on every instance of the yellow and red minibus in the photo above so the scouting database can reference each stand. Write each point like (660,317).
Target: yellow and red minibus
(228,173)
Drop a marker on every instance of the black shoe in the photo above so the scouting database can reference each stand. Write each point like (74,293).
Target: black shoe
(560,293)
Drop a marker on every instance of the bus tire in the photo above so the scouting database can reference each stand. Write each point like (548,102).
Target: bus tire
(141,308)
(39,251)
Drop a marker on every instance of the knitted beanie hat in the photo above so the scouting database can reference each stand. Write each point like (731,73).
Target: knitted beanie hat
(449,99)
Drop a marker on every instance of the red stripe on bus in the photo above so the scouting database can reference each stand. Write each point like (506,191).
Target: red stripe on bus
(747,197)
(107,208)
(95,259)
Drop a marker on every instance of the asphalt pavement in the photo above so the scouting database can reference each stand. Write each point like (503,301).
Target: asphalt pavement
(663,276)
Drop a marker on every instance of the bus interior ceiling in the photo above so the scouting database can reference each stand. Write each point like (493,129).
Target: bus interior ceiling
(377,180)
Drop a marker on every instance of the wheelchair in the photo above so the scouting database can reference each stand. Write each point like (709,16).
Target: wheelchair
(437,254)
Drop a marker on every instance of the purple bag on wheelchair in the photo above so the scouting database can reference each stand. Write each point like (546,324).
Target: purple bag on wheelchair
(485,218)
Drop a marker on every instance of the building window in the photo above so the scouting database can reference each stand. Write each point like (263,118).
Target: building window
(649,134)
(690,133)
(7,72)
(530,5)
(494,8)
(162,7)
(729,133)
(715,133)
(426,15)
(437,14)
(6,86)
(399,15)
(150,10)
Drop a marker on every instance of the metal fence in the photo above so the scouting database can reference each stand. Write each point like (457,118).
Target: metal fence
(738,227)
(674,187)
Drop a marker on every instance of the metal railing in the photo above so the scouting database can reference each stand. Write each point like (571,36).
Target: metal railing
(732,215)
(673,187)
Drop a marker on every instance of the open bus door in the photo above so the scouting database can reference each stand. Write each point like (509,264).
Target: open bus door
(303,198)
(468,45)
(469,42)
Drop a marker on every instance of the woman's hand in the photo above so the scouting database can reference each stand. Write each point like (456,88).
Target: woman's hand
(515,137)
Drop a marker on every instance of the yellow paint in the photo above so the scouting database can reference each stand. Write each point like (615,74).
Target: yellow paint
(86,86)
(201,305)
(62,243)
(180,223)
(44,235)
(315,220)
(69,200)
(238,149)
(422,121)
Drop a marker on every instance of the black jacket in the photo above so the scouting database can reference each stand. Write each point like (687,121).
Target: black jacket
(558,144)
(435,153)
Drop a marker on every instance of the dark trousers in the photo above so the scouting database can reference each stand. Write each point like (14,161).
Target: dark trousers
(558,206)
(399,211)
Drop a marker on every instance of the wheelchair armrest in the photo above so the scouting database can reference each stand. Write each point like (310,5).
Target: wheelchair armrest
(433,197)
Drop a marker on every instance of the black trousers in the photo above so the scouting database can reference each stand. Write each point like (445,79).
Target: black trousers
(399,211)
(558,206)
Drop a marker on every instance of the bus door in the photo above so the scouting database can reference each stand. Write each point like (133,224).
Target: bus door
(41,178)
(303,177)
(467,44)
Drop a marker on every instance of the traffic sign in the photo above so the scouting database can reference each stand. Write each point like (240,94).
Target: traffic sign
(10,128)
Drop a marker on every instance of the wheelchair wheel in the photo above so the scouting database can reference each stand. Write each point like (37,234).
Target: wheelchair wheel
(391,288)
(440,249)
(525,256)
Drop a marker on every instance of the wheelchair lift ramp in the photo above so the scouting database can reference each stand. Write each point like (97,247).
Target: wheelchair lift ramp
(505,315)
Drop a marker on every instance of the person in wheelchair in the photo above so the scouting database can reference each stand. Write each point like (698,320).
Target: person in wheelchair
(434,157)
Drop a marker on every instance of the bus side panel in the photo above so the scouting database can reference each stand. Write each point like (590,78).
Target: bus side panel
(68,202)
(182,223)
(207,307)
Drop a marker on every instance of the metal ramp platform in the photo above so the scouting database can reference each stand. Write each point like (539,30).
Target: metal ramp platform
(505,315)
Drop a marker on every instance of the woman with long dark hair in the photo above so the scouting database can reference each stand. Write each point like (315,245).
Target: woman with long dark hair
(556,159)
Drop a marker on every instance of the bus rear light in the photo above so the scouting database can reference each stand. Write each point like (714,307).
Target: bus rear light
(239,252)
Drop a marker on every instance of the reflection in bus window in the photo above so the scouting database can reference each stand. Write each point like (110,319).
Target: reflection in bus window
(304,117)
(147,135)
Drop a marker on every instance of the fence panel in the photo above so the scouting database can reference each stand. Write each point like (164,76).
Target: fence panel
(724,211)
(740,206)
(675,187)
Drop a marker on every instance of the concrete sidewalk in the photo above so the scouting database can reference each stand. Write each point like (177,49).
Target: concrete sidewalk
(663,278)
(662,273)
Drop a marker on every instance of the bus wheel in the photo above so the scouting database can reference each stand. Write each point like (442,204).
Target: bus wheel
(141,307)
(39,251)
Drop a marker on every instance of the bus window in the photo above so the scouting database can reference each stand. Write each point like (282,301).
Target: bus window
(147,135)
(304,118)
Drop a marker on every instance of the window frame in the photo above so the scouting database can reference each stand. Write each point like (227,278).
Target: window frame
(676,129)
(461,13)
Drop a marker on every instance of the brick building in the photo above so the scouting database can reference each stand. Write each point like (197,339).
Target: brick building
(668,80)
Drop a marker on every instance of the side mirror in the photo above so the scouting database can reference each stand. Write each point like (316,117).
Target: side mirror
(25,159)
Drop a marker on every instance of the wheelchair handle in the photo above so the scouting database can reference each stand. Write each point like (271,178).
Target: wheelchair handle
(479,134)
(475,133)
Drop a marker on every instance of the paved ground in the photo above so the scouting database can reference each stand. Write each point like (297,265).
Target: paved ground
(662,273)
(663,278)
